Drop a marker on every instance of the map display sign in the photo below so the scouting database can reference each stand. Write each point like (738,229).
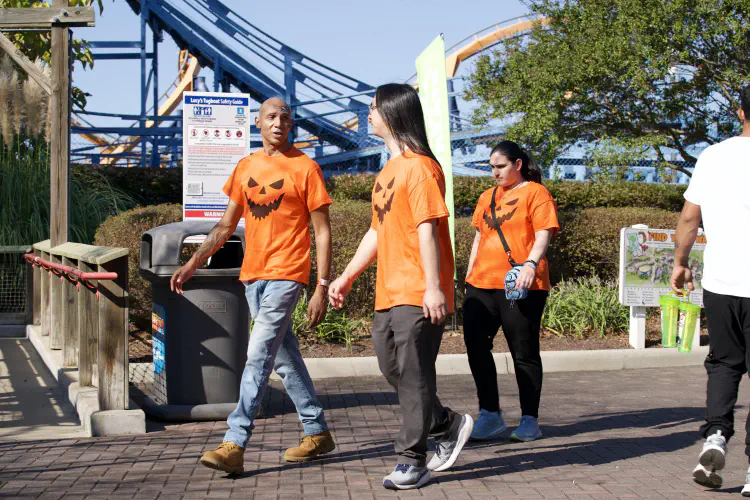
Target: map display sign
(646,263)
(215,137)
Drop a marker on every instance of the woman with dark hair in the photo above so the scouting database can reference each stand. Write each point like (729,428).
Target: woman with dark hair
(515,222)
(414,289)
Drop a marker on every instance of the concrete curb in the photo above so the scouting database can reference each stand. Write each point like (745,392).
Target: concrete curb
(85,400)
(553,361)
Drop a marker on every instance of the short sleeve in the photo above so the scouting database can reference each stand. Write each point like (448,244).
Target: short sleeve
(316,194)
(476,219)
(544,213)
(693,193)
(233,186)
(426,201)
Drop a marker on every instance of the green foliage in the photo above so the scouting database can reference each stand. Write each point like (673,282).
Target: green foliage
(336,328)
(125,230)
(38,44)
(589,241)
(150,186)
(635,76)
(24,191)
(584,306)
(587,246)
(567,194)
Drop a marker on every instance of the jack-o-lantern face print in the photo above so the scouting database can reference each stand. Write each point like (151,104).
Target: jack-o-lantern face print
(262,199)
(501,217)
(383,199)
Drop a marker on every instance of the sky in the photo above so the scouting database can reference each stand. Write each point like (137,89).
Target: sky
(374,42)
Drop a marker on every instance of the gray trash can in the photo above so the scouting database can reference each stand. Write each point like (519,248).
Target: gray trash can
(200,338)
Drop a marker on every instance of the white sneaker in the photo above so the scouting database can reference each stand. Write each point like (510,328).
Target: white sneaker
(449,448)
(712,459)
(746,488)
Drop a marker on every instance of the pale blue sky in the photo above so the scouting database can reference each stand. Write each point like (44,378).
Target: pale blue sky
(376,42)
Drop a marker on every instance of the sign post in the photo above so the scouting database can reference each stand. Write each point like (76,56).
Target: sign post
(215,137)
(646,263)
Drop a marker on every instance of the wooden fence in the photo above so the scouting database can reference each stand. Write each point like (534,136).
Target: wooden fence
(80,300)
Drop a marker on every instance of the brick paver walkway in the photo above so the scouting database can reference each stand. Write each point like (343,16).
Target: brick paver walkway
(608,435)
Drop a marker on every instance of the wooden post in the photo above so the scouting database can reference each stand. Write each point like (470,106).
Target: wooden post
(44,279)
(29,273)
(60,139)
(88,330)
(55,305)
(36,318)
(112,358)
(69,297)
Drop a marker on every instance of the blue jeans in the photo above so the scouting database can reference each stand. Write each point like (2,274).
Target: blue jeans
(273,345)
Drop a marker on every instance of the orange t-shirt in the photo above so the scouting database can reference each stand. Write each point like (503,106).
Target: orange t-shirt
(277,193)
(408,191)
(520,214)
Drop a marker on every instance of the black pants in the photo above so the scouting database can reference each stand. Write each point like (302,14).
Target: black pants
(727,361)
(407,346)
(485,311)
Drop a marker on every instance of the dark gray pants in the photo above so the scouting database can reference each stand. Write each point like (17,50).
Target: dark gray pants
(407,345)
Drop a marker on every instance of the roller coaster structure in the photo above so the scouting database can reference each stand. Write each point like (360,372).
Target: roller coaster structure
(330,107)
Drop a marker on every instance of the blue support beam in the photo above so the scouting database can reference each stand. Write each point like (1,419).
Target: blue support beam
(144,85)
(115,45)
(117,56)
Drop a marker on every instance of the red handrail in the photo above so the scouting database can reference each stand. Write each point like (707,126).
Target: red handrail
(39,262)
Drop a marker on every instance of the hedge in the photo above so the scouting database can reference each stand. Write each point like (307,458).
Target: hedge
(588,244)
(589,241)
(155,186)
(125,230)
(567,194)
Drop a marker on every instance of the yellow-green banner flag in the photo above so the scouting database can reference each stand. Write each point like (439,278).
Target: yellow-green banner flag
(433,92)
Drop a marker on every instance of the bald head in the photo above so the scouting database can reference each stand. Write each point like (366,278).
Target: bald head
(275,122)
(274,103)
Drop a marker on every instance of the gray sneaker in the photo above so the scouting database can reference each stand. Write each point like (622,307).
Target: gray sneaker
(712,459)
(449,448)
(406,477)
(746,488)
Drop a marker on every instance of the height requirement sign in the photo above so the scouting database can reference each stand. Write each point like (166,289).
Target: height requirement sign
(215,136)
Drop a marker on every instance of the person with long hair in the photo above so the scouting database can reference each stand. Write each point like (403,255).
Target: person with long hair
(414,289)
(514,222)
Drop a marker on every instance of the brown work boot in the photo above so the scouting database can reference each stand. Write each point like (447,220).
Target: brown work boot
(311,447)
(228,457)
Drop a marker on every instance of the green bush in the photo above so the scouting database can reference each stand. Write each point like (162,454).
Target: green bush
(125,230)
(153,186)
(589,241)
(588,245)
(350,220)
(585,305)
(567,194)
(150,186)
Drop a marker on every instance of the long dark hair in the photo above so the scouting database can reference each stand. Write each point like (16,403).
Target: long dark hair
(530,171)
(399,106)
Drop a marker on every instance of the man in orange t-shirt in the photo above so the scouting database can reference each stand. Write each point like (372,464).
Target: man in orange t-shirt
(278,190)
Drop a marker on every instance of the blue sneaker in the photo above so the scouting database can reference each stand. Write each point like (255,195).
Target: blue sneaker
(489,424)
(406,477)
(528,430)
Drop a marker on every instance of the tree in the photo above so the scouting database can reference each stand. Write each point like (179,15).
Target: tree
(631,78)
(37,44)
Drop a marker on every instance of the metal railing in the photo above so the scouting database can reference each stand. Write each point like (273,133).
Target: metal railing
(15,287)
(88,323)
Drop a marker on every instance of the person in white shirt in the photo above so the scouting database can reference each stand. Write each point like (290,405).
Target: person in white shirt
(718,194)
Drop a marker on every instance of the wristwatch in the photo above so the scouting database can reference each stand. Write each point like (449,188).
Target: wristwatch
(322,282)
